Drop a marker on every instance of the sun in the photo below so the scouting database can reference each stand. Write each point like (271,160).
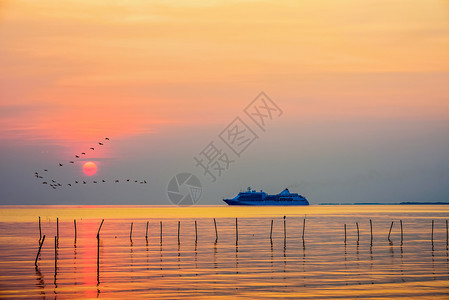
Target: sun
(90,168)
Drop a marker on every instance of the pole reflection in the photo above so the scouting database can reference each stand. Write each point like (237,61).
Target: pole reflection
(56,264)
(40,281)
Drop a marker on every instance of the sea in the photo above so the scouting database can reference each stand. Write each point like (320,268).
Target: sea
(225,252)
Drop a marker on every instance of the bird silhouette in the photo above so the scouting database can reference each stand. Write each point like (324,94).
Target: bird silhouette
(44,182)
(53,181)
(60,165)
(92,148)
(116,180)
(106,139)
(145,181)
(104,180)
(72,162)
(76,181)
(95,181)
(127,180)
(77,156)
(83,153)
(46,170)
(100,144)
(84,182)
(69,184)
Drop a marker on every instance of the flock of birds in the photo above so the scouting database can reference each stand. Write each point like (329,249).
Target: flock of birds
(56,184)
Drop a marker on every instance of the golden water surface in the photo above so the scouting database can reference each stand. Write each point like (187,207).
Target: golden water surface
(247,264)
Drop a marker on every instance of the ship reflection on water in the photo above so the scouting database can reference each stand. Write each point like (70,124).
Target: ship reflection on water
(321,265)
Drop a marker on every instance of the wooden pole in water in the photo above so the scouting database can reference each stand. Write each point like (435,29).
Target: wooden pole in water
(345,233)
(285,230)
(432,231)
(56,259)
(74,224)
(161,232)
(131,232)
(57,228)
(99,228)
(371,230)
(236,231)
(358,232)
(196,233)
(303,228)
(98,261)
(271,229)
(447,235)
(56,253)
(179,229)
(402,232)
(391,226)
(146,231)
(216,232)
(40,231)
(39,251)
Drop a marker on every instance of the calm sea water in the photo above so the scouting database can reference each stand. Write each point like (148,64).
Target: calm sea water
(321,266)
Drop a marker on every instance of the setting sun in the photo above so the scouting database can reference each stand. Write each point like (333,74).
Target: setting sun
(90,168)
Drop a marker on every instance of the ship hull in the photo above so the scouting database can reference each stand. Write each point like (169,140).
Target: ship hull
(265,203)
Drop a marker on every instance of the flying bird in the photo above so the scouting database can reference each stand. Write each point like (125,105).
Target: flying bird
(106,139)
(76,181)
(77,156)
(60,165)
(83,153)
(84,182)
(44,182)
(127,179)
(72,162)
(116,180)
(145,181)
(101,144)
(95,181)
(69,184)
(104,180)
(46,170)
(92,148)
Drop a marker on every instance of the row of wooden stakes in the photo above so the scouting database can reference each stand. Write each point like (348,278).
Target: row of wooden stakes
(42,238)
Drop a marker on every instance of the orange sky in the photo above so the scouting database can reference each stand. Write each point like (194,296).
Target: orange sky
(363,86)
(77,69)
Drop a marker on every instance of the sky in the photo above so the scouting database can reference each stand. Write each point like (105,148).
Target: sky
(355,102)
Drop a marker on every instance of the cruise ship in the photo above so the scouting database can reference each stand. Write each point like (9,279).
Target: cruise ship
(252,197)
